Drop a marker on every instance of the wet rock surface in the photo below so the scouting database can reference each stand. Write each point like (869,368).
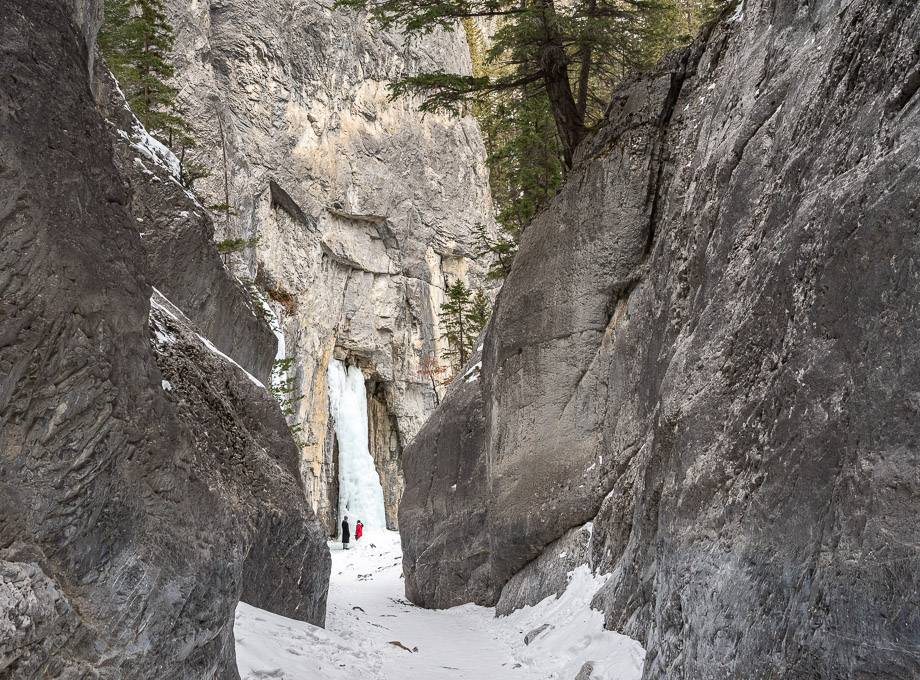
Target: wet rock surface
(146,483)
(707,348)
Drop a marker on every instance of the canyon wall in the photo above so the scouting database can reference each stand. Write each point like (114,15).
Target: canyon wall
(708,350)
(362,205)
(148,481)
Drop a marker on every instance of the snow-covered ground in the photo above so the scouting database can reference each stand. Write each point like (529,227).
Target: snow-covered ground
(373,633)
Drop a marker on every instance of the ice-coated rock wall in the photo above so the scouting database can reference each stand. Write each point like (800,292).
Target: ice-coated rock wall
(362,204)
(360,494)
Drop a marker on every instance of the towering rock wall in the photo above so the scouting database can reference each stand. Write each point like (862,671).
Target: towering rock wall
(362,205)
(708,349)
(147,481)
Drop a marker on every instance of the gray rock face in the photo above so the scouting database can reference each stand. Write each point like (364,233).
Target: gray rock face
(146,483)
(177,234)
(386,447)
(586,671)
(548,573)
(362,204)
(708,348)
(243,446)
(35,620)
(536,632)
(443,513)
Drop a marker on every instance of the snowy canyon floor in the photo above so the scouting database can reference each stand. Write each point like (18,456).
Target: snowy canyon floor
(373,633)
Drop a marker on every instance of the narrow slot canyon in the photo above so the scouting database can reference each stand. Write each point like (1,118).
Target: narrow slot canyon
(602,318)
(371,630)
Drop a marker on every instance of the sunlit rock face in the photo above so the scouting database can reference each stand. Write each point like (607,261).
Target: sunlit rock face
(362,205)
(708,348)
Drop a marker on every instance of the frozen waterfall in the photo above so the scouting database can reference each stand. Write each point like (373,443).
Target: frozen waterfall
(360,493)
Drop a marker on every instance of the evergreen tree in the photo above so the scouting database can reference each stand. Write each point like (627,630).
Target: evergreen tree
(480,311)
(544,48)
(463,316)
(543,82)
(456,322)
(135,40)
(285,392)
(523,155)
(503,249)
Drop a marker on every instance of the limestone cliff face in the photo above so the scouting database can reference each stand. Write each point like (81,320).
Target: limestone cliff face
(708,348)
(147,482)
(362,205)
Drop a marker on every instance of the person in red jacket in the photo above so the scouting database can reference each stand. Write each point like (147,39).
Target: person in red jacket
(359,530)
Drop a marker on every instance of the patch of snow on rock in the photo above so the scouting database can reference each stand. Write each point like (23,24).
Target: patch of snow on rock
(472,373)
(739,13)
(577,635)
(155,150)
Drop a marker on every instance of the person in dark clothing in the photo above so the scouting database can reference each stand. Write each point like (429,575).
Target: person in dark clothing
(346,533)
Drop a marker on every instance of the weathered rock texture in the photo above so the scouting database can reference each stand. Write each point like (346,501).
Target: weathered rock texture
(146,482)
(709,347)
(362,204)
(548,574)
(383,434)
(177,234)
(445,504)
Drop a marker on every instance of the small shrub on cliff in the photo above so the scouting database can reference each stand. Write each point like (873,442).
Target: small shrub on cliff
(235,245)
(285,392)
(284,298)
(430,367)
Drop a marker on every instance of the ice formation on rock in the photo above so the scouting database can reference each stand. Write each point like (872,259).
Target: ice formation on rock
(360,492)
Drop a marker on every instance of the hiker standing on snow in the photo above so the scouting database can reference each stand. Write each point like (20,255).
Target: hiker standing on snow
(346,534)
(359,530)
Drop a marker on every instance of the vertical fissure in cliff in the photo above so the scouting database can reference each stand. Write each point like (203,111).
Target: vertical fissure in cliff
(386,446)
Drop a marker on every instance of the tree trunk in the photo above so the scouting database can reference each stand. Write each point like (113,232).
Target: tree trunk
(570,123)
(585,55)
(584,76)
(460,325)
